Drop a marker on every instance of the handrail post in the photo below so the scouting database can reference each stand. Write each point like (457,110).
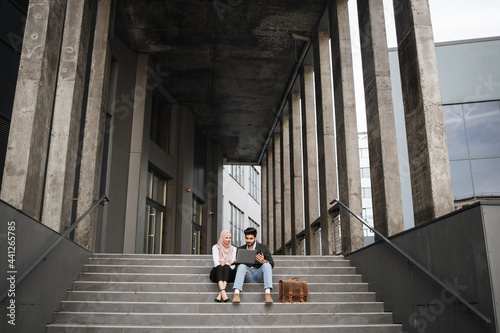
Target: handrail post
(423,269)
(103,198)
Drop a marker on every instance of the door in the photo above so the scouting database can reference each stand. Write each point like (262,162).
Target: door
(155,214)
(196,226)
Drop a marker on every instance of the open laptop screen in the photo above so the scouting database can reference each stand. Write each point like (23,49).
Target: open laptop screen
(244,256)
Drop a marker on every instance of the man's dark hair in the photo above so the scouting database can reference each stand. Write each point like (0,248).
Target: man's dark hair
(250,231)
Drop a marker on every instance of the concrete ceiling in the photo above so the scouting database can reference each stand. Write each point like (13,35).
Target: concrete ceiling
(229,61)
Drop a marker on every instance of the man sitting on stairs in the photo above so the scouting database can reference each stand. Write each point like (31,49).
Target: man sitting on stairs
(256,273)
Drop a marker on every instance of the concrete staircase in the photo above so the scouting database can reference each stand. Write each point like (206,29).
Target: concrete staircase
(167,293)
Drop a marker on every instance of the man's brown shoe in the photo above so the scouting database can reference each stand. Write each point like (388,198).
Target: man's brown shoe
(236,298)
(267,299)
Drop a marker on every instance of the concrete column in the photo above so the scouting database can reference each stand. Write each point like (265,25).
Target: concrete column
(296,191)
(310,164)
(90,170)
(215,191)
(286,203)
(66,119)
(327,168)
(24,171)
(427,148)
(277,193)
(270,199)
(384,164)
(263,200)
(345,119)
(136,159)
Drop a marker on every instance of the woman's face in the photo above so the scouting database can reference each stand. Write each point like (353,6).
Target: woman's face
(227,239)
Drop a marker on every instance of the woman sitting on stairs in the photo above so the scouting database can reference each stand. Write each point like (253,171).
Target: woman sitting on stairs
(224,257)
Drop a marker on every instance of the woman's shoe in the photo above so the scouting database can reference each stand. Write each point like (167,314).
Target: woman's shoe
(224,300)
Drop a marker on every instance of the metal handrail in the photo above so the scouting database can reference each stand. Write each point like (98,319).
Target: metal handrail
(423,269)
(103,198)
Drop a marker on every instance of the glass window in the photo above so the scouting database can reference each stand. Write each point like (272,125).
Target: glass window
(363,153)
(160,121)
(366,192)
(473,142)
(157,188)
(236,225)
(455,132)
(254,224)
(196,226)
(236,171)
(461,181)
(486,174)
(368,213)
(365,172)
(254,183)
(155,236)
(482,121)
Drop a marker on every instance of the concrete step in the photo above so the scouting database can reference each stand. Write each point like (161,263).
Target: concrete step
(230,319)
(203,297)
(172,293)
(206,286)
(206,269)
(178,262)
(387,328)
(206,256)
(213,307)
(198,278)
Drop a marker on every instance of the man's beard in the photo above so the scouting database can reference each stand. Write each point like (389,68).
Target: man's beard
(250,245)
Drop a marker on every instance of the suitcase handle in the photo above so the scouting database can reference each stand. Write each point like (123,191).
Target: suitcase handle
(294,278)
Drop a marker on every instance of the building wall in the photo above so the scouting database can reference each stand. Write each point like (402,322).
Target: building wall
(129,152)
(122,85)
(238,195)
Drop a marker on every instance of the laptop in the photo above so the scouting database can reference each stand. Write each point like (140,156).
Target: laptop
(247,257)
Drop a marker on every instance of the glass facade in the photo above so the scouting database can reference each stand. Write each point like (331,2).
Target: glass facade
(254,183)
(236,171)
(236,225)
(473,138)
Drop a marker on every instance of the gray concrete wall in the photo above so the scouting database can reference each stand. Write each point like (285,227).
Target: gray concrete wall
(185,199)
(121,105)
(491,214)
(38,296)
(453,248)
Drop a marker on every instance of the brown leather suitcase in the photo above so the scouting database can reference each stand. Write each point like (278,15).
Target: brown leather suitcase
(290,291)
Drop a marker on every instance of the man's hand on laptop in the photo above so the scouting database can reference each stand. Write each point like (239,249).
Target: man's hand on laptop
(260,258)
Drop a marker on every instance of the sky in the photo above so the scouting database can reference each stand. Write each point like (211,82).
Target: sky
(452,20)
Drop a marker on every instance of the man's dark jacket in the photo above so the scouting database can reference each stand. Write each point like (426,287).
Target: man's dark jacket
(265,250)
